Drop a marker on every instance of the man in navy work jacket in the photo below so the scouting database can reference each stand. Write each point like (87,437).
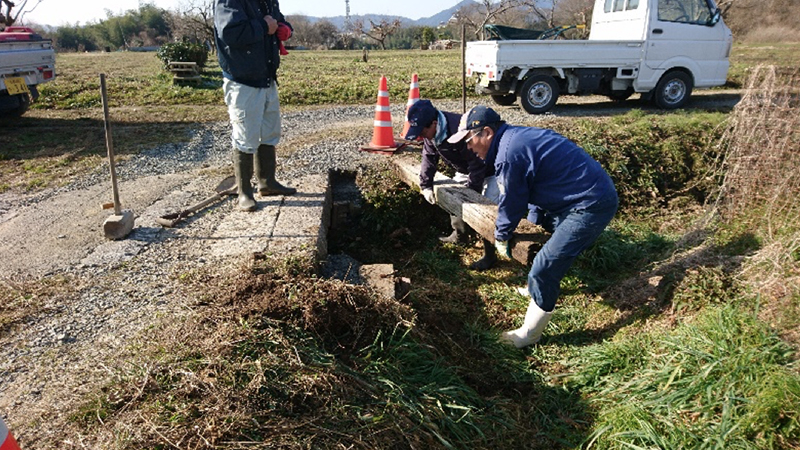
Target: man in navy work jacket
(568,192)
(246,33)
(435,127)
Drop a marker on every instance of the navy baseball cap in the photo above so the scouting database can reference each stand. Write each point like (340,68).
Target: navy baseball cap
(476,118)
(420,115)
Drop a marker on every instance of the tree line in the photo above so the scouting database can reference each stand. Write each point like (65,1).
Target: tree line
(151,26)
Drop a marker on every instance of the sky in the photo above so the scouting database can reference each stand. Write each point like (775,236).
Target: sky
(62,12)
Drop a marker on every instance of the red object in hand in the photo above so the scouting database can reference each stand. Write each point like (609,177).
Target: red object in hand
(284,32)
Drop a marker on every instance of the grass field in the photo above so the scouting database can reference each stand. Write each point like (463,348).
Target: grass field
(664,336)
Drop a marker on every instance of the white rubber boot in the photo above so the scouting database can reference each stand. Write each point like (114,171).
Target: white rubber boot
(531,331)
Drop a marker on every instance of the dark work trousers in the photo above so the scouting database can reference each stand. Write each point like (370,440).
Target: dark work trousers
(573,232)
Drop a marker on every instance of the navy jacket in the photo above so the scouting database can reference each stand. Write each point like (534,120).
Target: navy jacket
(458,156)
(247,54)
(540,168)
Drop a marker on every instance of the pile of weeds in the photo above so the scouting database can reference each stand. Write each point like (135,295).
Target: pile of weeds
(287,360)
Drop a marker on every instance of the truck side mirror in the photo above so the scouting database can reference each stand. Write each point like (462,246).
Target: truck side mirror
(714,18)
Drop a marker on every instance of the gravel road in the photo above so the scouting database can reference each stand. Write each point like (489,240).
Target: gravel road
(94,295)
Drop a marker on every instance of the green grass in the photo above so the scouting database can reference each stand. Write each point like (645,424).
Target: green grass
(746,56)
(720,381)
(306,78)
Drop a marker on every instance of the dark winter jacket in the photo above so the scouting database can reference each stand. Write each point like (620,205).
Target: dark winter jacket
(247,54)
(541,170)
(458,156)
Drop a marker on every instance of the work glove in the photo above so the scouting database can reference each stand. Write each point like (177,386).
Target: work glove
(429,195)
(503,248)
(283,33)
(461,177)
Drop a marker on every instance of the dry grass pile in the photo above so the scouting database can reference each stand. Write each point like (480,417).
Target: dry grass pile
(762,180)
(261,363)
(763,164)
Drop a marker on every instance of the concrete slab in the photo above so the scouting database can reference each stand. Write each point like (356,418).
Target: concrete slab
(301,227)
(295,225)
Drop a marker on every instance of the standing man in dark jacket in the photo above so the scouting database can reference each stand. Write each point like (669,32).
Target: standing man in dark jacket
(246,33)
(435,127)
(570,195)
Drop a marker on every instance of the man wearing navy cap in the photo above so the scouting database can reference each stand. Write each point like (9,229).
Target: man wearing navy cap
(435,127)
(568,192)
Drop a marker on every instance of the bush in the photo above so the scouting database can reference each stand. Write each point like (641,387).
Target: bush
(183,52)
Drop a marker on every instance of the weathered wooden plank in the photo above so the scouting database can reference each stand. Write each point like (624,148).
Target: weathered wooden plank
(474,209)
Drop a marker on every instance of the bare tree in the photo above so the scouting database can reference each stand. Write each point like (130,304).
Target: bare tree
(195,20)
(302,30)
(10,17)
(378,32)
(476,16)
(575,12)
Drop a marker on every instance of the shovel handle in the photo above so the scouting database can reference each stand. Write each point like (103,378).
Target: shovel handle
(109,144)
(171,220)
(198,206)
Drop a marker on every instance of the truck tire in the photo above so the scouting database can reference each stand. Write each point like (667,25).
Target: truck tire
(673,90)
(620,96)
(14,106)
(504,99)
(538,94)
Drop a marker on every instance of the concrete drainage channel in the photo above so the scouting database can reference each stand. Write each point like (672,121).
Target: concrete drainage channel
(345,208)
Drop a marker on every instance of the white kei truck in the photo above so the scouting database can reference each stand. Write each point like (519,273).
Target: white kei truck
(26,61)
(660,48)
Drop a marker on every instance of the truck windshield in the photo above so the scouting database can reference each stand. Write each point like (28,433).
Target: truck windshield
(685,11)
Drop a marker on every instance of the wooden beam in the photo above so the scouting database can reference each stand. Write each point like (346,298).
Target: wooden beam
(474,209)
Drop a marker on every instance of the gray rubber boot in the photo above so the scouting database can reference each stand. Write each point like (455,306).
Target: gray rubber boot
(459,231)
(489,257)
(243,167)
(265,172)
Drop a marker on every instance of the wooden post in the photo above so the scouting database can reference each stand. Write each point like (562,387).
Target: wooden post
(474,209)
(463,68)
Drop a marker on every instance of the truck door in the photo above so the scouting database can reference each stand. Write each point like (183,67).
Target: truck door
(689,33)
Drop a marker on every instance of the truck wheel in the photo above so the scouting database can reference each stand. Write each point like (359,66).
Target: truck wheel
(539,93)
(504,99)
(21,103)
(620,96)
(673,90)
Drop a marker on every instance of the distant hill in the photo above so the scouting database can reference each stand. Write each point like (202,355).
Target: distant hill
(432,21)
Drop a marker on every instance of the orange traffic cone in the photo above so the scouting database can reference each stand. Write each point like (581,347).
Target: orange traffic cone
(7,441)
(413,97)
(382,139)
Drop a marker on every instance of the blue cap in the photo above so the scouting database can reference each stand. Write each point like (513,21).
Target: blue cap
(420,115)
(475,118)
